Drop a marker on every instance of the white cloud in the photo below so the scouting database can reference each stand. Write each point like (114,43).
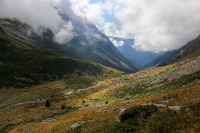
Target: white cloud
(157,25)
(37,12)
(65,34)
(117,43)
(91,12)
(40,13)
(94,11)
(113,31)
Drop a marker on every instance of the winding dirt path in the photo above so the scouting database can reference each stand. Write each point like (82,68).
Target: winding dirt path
(68,93)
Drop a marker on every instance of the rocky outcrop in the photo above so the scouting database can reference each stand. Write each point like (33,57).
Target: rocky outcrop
(183,68)
(75,125)
(119,115)
(164,106)
(175,72)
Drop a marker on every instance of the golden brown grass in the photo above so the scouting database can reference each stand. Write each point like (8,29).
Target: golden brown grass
(35,117)
(99,119)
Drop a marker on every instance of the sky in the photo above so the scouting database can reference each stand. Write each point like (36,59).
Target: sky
(155,25)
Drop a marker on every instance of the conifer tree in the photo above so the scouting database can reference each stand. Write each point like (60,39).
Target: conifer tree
(48,104)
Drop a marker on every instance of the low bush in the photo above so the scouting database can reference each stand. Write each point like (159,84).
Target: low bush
(165,122)
(170,121)
(123,128)
(47,104)
(138,115)
(134,119)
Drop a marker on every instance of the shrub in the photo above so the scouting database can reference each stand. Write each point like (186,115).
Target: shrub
(83,101)
(195,108)
(123,128)
(68,107)
(48,104)
(134,119)
(87,105)
(166,122)
(63,106)
(170,121)
(138,115)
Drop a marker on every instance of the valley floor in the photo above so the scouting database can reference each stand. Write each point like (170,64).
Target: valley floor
(95,109)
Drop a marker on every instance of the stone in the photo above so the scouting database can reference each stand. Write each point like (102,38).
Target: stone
(75,125)
(119,115)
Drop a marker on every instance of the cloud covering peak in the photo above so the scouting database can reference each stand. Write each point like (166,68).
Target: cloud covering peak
(117,43)
(157,25)
(40,13)
(160,25)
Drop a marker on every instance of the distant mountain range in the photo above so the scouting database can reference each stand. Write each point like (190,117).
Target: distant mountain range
(88,44)
(138,58)
(190,50)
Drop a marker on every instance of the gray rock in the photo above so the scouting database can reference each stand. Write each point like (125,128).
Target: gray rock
(75,125)
(119,115)
(175,107)
(164,106)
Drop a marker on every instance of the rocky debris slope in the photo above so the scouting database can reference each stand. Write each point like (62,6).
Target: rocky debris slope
(175,72)
(183,68)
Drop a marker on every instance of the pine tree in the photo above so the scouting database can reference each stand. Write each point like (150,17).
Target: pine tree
(48,103)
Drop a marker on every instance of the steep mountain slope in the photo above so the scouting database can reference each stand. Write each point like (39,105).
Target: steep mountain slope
(138,58)
(25,65)
(89,43)
(162,60)
(190,50)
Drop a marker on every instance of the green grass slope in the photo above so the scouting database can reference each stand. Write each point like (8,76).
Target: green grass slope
(21,65)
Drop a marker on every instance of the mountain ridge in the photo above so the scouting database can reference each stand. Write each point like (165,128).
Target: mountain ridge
(24,65)
(82,46)
(188,51)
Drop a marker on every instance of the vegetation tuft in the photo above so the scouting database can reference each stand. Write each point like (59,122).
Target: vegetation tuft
(134,119)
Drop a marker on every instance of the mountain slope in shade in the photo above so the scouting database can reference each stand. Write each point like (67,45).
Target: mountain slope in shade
(22,65)
(190,50)
(138,58)
(89,43)
(162,60)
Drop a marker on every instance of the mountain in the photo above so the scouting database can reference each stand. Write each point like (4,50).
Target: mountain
(162,60)
(88,43)
(84,96)
(138,58)
(190,50)
(23,65)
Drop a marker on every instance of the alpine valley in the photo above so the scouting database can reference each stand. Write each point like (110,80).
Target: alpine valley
(86,84)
